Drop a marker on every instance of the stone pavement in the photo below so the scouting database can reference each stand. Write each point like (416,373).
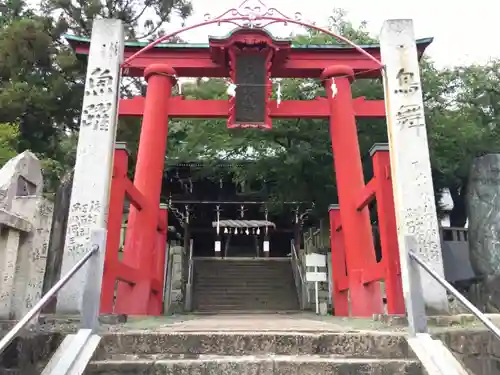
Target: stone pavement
(299,322)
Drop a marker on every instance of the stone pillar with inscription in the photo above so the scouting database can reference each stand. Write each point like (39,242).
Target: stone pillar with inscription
(409,151)
(366,299)
(94,155)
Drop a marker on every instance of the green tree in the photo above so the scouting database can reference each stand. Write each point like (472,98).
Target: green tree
(41,80)
(37,86)
(142,19)
(9,138)
(296,152)
(461,109)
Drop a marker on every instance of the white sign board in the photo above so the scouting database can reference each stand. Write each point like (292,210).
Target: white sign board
(217,246)
(266,246)
(315,260)
(319,277)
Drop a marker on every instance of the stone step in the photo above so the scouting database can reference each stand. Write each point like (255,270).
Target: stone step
(232,299)
(345,344)
(278,365)
(246,293)
(243,276)
(221,308)
(247,266)
(243,281)
(252,270)
(209,297)
(235,273)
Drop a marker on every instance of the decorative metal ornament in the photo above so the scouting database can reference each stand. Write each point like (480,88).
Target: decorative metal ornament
(254,11)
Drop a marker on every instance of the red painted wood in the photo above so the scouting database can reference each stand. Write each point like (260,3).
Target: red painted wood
(366,196)
(366,300)
(376,272)
(198,62)
(115,214)
(142,224)
(142,271)
(139,202)
(159,264)
(319,108)
(388,233)
(340,285)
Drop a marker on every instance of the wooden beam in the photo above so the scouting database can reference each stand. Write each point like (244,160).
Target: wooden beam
(318,108)
(195,60)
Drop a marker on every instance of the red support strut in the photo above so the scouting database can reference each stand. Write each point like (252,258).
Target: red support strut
(115,217)
(388,230)
(340,295)
(366,300)
(141,239)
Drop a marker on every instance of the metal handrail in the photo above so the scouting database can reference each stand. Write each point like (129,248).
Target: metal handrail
(302,280)
(297,260)
(190,271)
(473,309)
(11,335)
(189,286)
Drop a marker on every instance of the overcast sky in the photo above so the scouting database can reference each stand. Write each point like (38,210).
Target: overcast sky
(463,30)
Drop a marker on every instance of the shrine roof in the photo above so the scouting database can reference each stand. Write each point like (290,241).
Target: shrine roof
(75,40)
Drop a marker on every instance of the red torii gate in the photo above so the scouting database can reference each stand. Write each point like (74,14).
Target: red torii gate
(336,66)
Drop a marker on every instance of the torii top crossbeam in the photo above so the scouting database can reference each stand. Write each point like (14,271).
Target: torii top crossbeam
(216,58)
(210,60)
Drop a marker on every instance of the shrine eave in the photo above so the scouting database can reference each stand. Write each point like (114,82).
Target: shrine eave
(197,60)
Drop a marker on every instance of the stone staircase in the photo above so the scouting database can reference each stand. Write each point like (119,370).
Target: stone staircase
(265,353)
(243,284)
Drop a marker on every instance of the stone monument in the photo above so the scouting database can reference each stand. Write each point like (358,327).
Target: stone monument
(483,209)
(414,200)
(25,221)
(94,155)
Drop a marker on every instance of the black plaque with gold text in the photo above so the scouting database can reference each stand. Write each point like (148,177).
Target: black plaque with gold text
(250,99)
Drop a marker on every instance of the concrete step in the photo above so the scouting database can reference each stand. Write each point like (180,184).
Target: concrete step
(345,344)
(277,365)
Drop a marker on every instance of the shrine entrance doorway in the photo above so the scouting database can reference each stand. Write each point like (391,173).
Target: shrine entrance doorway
(243,238)
(249,58)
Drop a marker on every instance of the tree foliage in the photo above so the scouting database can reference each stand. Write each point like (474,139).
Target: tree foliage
(9,138)
(142,19)
(295,158)
(41,80)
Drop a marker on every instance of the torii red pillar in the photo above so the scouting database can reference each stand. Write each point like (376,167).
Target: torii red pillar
(142,224)
(366,300)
